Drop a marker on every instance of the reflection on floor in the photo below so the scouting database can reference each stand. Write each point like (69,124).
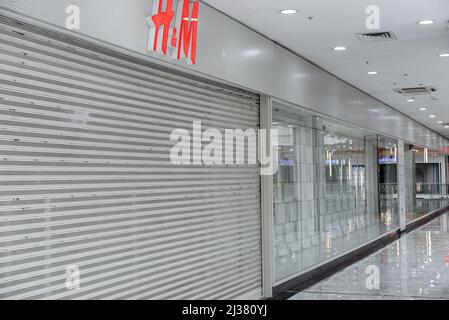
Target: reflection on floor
(424,207)
(414,267)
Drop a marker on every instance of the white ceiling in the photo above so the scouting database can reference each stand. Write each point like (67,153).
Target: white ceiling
(336,23)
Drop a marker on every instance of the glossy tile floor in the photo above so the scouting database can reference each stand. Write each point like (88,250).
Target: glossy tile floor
(414,267)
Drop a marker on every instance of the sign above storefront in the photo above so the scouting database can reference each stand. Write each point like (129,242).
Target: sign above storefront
(174,36)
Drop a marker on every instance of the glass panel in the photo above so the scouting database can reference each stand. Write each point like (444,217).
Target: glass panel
(427,191)
(388,180)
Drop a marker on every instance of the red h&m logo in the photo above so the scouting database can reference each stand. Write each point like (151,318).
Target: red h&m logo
(174,37)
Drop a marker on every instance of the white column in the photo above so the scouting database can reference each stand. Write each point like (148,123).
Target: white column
(266,116)
(410,180)
(401,186)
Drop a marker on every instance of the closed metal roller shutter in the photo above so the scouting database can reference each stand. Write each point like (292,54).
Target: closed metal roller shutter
(86,179)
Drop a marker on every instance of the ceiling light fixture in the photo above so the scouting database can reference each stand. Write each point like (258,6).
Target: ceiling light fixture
(433,116)
(422,109)
(443,55)
(372,73)
(339,48)
(426,22)
(446,126)
(288,11)
(440,122)
(411,100)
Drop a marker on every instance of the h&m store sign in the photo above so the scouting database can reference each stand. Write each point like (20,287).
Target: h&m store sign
(173,29)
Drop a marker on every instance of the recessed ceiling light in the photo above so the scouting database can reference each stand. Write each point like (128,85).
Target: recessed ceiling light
(422,109)
(426,22)
(440,122)
(339,48)
(433,116)
(372,73)
(443,55)
(288,11)
(411,100)
(446,126)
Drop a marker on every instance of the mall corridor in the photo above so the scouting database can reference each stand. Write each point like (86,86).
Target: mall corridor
(414,267)
(216,150)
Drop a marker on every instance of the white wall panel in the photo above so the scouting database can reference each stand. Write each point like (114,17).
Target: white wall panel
(223,43)
(249,58)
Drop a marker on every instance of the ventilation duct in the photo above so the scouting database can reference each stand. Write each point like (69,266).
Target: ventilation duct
(416,90)
(375,37)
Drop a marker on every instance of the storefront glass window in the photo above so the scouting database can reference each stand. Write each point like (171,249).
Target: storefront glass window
(325,192)
(388,180)
(426,182)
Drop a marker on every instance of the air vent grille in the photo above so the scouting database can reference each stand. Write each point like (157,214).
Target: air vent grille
(416,90)
(375,37)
